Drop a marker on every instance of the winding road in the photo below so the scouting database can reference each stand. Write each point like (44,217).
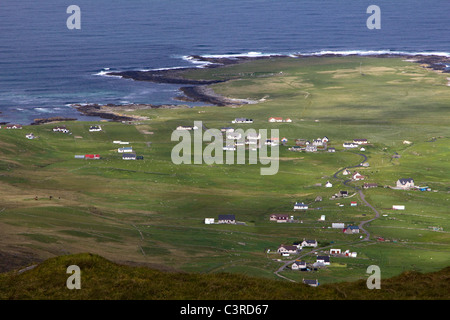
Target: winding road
(361,225)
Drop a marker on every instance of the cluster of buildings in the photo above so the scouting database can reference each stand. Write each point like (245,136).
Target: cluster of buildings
(61,129)
(311,146)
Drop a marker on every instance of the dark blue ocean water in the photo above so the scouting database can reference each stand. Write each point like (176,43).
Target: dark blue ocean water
(44,66)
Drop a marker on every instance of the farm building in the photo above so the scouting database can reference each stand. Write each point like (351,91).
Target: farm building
(331,150)
(92,156)
(227,218)
(349,145)
(328,184)
(209,220)
(335,251)
(398,207)
(338,225)
(128,156)
(353,204)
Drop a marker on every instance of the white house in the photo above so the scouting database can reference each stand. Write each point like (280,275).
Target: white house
(357,176)
(346,172)
(298,265)
(398,207)
(209,220)
(287,249)
(349,145)
(125,150)
(338,225)
(405,183)
(335,251)
(95,128)
(328,184)
(300,206)
(279,217)
(309,243)
(325,260)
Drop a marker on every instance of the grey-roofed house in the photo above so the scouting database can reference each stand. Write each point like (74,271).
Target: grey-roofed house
(128,156)
(312,283)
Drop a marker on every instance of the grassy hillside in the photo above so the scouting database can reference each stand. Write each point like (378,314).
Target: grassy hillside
(152,211)
(102,279)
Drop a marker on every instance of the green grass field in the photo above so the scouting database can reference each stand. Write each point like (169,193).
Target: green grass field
(152,211)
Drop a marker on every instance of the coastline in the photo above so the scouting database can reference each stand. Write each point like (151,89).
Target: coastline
(199,90)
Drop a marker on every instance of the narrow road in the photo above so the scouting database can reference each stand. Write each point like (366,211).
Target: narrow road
(361,225)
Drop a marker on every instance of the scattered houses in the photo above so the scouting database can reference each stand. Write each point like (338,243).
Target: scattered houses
(13,126)
(227,219)
(405,183)
(62,129)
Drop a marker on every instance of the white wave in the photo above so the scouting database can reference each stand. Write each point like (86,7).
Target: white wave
(375,52)
(105,73)
(44,110)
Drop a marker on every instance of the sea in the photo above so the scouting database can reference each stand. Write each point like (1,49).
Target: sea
(46,67)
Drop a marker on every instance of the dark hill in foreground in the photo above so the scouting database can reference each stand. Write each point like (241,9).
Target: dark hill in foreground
(102,279)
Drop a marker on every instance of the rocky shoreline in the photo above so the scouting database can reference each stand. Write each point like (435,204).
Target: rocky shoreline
(199,90)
